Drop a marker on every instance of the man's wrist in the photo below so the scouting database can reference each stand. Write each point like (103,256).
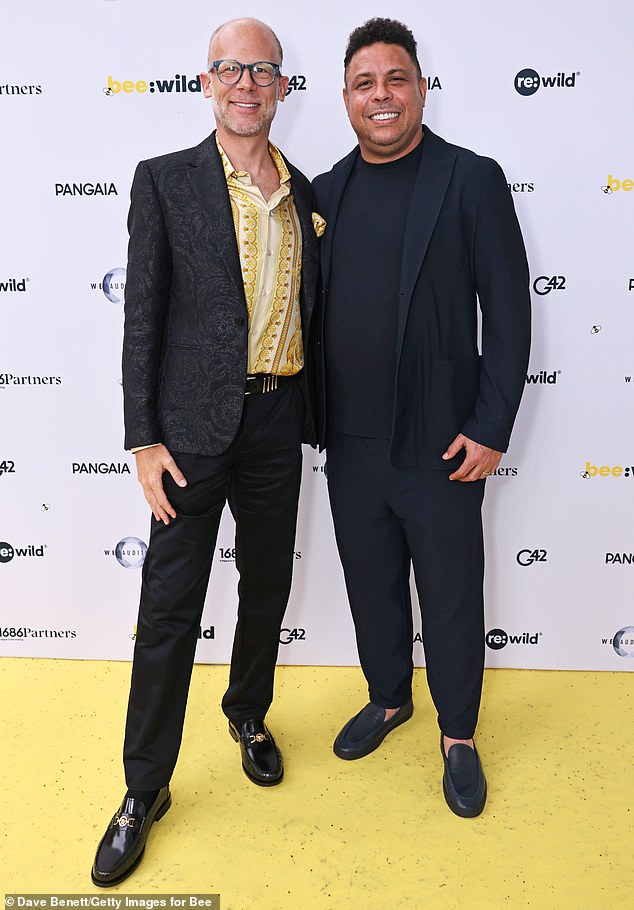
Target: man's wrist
(152,445)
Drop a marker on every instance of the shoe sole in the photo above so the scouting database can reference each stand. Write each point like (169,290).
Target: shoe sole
(115,881)
(263,783)
(347,756)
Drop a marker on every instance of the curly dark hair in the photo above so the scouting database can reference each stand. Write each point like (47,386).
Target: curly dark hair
(383,31)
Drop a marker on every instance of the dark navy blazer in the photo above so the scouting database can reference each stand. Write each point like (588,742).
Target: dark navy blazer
(462,246)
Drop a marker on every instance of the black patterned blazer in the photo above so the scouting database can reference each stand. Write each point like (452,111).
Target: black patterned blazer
(185,336)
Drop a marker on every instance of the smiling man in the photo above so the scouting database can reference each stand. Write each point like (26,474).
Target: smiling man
(221,281)
(413,414)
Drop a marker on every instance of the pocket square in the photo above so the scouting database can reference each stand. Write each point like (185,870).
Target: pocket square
(319,224)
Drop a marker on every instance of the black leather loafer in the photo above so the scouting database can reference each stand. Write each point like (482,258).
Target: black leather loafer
(261,759)
(121,848)
(463,781)
(366,730)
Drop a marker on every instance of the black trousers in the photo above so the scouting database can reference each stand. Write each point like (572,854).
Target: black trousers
(259,476)
(385,519)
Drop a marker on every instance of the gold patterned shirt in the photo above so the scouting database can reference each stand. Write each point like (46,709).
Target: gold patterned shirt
(269,238)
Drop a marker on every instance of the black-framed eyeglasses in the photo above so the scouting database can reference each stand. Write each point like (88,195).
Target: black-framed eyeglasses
(230,71)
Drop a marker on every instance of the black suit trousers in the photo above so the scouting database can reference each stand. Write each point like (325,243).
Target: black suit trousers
(387,519)
(259,476)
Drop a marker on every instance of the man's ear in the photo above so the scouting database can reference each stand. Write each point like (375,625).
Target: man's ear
(205,81)
(282,88)
(345,99)
(423,89)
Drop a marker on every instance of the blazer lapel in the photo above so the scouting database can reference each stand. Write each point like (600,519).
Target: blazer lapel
(208,181)
(310,261)
(338,182)
(434,173)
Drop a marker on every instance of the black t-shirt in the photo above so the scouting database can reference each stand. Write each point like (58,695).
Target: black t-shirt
(362,311)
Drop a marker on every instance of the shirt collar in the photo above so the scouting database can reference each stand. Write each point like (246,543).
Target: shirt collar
(275,154)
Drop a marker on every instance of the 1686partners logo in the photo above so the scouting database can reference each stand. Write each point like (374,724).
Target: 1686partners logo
(228,554)
(504,471)
(21,633)
(7,89)
(522,186)
(12,379)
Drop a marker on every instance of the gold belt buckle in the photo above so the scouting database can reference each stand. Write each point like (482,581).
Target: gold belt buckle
(269,382)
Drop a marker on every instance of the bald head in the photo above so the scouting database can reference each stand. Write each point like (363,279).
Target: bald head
(242,28)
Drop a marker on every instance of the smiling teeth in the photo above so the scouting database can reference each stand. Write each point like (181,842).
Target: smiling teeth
(383,116)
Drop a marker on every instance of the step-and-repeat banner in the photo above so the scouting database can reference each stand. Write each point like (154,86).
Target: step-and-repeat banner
(89,87)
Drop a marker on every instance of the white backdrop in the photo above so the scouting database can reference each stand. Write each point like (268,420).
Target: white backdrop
(73,522)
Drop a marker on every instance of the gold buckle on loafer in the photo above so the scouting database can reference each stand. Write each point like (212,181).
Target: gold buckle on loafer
(124,821)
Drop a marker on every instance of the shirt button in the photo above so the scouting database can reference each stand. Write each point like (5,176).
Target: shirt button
(239,320)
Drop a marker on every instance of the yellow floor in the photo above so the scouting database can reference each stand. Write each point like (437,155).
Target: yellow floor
(557,831)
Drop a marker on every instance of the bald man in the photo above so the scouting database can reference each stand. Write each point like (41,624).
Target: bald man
(221,283)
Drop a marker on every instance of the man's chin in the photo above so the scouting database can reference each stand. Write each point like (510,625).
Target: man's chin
(385,139)
(246,125)
(243,129)
(240,128)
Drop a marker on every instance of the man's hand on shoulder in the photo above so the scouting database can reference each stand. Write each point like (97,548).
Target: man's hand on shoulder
(150,466)
(480,461)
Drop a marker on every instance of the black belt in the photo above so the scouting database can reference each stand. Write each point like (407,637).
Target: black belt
(264,382)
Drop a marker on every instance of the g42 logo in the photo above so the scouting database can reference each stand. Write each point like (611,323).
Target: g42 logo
(528,557)
(289,635)
(544,285)
(296,83)
(7,467)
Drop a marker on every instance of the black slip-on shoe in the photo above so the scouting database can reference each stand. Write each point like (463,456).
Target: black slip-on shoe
(121,848)
(463,783)
(366,730)
(261,759)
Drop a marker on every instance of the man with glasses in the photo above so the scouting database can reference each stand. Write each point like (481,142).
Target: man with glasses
(221,281)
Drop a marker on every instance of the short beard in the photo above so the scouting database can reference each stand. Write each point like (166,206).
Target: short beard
(225,119)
